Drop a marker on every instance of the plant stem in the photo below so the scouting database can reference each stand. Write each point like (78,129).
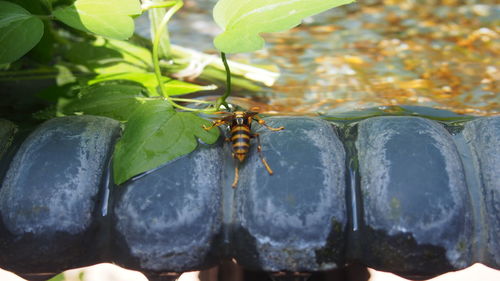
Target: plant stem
(181,100)
(156,62)
(156,45)
(156,17)
(192,100)
(146,5)
(45,17)
(222,100)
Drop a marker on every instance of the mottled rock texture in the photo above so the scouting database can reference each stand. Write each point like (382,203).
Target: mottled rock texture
(404,194)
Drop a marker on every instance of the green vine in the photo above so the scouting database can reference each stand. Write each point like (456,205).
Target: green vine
(222,100)
(152,5)
(156,62)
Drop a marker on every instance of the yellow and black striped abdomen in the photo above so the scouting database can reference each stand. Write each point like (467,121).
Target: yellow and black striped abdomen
(240,140)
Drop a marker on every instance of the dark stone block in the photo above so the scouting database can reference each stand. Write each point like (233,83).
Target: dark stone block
(483,138)
(415,200)
(294,220)
(49,195)
(169,219)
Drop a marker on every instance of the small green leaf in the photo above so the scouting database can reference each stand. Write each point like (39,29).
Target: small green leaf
(20,31)
(243,20)
(116,101)
(110,18)
(58,277)
(154,135)
(105,56)
(130,52)
(177,88)
(149,81)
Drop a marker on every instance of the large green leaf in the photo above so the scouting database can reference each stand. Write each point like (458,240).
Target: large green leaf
(34,7)
(154,135)
(20,31)
(243,20)
(149,81)
(116,101)
(109,18)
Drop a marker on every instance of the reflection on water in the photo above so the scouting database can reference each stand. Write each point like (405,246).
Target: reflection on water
(442,54)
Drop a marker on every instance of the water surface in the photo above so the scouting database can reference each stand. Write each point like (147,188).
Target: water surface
(442,54)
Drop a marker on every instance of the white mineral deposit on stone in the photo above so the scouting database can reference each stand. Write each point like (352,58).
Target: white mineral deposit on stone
(374,168)
(159,249)
(73,189)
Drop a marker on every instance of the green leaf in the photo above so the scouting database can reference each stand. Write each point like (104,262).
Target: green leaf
(105,56)
(131,53)
(110,18)
(177,88)
(243,20)
(20,31)
(149,81)
(43,52)
(154,135)
(116,101)
(34,7)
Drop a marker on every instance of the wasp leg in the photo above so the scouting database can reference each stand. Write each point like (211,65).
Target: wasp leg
(236,176)
(215,123)
(263,123)
(262,158)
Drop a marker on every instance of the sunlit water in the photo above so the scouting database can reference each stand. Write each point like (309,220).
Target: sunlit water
(441,54)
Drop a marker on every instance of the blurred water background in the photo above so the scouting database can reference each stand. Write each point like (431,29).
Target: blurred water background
(437,53)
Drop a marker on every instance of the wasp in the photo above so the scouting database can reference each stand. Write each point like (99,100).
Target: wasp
(240,133)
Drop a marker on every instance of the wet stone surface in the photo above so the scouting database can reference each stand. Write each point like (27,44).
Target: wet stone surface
(483,137)
(285,221)
(416,207)
(169,220)
(48,196)
(422,199)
